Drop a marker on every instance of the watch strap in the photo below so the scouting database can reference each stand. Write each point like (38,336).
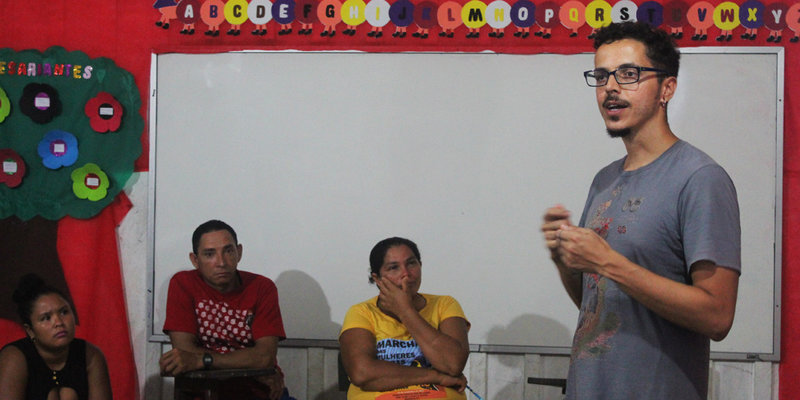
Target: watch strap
(207,360)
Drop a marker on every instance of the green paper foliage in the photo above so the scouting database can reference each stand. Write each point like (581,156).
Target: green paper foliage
(77,79)
(5,105)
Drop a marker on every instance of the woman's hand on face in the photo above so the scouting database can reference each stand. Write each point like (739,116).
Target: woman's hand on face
(394,298)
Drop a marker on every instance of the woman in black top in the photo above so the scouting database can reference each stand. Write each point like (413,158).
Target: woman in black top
(50,364)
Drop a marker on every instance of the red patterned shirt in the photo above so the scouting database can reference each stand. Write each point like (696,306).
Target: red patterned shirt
(224,322)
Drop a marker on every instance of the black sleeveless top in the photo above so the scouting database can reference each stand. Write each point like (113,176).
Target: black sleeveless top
(41,379)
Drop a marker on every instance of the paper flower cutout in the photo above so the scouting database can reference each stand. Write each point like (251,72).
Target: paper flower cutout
(5,105)
(12,168)
(58,149)
(90,182)
(104,112)
(40,102)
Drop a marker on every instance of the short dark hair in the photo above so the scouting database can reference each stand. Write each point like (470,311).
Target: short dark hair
(29,289)
(661,49)
(211,226)
(378,253)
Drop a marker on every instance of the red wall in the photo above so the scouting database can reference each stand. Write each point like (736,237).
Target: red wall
(125,31)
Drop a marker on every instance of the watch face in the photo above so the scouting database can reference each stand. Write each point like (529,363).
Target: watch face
(207,360)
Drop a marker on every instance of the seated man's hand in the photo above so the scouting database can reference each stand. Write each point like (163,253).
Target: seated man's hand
(275,384)
(177,361)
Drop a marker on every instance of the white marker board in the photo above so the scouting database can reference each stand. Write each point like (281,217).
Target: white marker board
(314,157)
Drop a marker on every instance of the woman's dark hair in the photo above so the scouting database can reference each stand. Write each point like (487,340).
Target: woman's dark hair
(378,253)
(661,49)
(29,289)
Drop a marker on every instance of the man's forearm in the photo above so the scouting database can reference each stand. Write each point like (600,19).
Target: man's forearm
(572,281)
(243,358)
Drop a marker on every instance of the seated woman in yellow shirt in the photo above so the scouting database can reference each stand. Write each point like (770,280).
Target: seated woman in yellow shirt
(404,343)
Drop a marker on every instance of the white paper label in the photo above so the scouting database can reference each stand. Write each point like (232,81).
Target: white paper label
(9,167)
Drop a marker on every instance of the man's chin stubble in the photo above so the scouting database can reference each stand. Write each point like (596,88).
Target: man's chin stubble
(618,133)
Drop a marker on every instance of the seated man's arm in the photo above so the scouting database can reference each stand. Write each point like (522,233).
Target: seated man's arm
(187,355)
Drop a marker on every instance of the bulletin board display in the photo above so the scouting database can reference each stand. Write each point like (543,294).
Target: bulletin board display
(313,157)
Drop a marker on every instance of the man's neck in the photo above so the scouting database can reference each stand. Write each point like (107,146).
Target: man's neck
(645,146)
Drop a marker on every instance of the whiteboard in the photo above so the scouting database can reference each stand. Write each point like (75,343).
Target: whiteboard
(315,156)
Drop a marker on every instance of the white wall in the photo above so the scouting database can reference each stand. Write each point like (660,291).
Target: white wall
(311,373)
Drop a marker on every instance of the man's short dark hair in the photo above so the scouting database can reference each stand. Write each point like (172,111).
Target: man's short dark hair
(661,49)
(211,226)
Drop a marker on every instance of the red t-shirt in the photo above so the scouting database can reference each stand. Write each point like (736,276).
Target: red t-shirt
(224,322)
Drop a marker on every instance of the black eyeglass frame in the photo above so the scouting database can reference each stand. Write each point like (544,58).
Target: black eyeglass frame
(614,73)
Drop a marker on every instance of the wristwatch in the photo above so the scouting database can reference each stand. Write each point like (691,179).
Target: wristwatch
(207,360)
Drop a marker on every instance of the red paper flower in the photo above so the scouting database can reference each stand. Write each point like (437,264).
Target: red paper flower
(12,168)
(104,112)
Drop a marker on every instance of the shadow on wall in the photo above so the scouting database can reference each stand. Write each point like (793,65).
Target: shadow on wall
(304,307)
(158,387)
(307,315)
(533,330)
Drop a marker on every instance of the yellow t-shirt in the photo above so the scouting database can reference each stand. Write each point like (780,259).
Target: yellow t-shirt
(394,343)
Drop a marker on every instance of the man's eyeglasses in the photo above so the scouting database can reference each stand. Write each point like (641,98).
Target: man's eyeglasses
(623,75)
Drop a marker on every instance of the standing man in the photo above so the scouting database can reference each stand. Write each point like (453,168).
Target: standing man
(654,264)
(219,317)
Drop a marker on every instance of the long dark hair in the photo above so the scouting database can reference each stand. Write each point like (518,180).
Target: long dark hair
(29,289)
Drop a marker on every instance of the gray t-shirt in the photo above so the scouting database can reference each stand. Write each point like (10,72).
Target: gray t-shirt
(665,216)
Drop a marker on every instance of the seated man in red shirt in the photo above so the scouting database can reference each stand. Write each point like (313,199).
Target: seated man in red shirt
(219,317)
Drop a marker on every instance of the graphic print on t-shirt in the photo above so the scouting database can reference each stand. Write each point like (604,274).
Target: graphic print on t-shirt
(222,327)
(405,352)
(597,324)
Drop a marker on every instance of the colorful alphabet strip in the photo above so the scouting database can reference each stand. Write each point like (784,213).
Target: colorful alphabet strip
(475,15)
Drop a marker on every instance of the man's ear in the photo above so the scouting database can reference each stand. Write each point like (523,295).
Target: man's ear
(239,248)
(668,88)
(193,259)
